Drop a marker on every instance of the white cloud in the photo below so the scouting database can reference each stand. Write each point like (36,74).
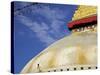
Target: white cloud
(43,30)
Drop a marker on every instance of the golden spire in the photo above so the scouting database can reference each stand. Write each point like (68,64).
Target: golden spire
(84,11)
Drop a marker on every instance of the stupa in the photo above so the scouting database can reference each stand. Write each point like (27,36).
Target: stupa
(75,52)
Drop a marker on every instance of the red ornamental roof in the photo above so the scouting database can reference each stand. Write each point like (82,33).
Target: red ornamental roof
(83,20)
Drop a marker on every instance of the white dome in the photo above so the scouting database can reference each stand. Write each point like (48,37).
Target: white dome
(76,51)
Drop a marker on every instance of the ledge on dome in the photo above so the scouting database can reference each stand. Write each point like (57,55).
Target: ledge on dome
(87,22)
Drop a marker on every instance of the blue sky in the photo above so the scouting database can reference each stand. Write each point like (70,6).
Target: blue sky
(38,26)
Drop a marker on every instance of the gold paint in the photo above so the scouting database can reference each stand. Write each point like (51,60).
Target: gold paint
(84,11)
(51,62)
(80,56)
